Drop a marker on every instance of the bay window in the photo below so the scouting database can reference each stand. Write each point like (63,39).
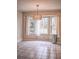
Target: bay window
(45,26)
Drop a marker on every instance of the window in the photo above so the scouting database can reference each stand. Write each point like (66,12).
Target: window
(44,26)
(53,25)
(31,25)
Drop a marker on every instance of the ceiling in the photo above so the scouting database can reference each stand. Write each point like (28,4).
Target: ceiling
(30,5)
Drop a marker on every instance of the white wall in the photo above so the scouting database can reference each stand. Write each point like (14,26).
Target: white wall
(19,26)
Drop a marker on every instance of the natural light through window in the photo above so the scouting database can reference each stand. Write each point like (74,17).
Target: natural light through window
(39,27)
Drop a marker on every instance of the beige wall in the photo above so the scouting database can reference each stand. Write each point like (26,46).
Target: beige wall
(19,26)
(30,5)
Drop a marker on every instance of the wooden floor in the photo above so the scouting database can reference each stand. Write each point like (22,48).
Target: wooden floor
(57,53)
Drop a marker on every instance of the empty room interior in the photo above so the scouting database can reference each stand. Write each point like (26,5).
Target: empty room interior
(38,29)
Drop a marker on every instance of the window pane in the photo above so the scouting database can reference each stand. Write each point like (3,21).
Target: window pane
(44,26)
(31,25)
(53,25)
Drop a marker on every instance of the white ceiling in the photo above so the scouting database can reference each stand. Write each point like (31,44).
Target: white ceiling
(30,5)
